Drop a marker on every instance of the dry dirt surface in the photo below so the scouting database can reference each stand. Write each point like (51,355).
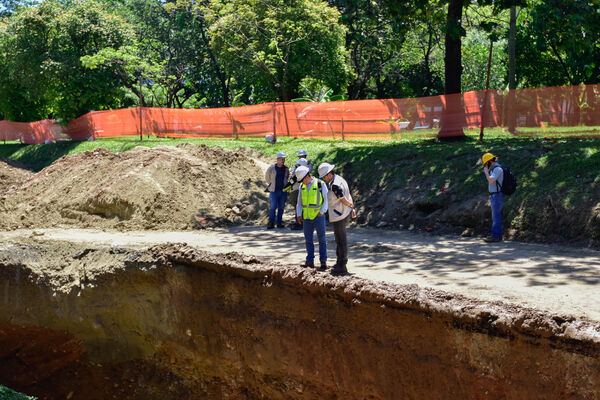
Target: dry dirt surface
(12,174)
(165,187)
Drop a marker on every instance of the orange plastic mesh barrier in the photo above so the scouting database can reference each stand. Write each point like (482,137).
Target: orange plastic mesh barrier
(42,131)
(444,115)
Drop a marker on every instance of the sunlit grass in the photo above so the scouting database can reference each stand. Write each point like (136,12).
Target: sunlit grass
(8,394)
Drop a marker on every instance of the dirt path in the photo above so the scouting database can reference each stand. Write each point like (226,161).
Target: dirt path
(557,279)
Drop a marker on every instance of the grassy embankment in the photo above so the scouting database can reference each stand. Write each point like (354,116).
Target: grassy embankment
(7,394)
(558,177)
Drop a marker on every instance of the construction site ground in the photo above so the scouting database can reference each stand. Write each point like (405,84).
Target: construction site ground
(561,280)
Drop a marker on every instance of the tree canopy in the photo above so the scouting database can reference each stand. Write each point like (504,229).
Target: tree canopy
(62,58)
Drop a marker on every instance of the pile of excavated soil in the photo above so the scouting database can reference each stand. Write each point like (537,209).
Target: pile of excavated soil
(165,187)
(12,174)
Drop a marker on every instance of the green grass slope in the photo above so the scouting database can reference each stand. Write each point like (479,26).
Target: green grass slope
(7,394)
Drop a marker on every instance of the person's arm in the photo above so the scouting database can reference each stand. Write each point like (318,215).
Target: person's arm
(342,192)
(491,178)
(325,205)
(299,206)
(268,174)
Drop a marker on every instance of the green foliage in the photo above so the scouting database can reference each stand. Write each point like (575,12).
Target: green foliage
(558,42)
(62,58)
(476,46)
(7,394)
(276,43)
(315,90)
(173,40)
(40,60)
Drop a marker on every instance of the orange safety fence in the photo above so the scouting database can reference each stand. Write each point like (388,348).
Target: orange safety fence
(444,115)
(42,131)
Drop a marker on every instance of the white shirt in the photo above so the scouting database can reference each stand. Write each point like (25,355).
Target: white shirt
(337,210)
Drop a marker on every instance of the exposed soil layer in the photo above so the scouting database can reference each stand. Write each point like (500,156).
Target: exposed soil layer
(172,321)
(12,174)
(165,187)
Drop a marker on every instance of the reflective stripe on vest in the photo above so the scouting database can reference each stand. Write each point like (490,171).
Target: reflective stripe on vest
(311,201)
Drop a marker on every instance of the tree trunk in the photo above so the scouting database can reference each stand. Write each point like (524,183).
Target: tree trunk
(428,74)
(453,116)
(511,114)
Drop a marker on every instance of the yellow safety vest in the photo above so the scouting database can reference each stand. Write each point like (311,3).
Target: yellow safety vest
(312,200)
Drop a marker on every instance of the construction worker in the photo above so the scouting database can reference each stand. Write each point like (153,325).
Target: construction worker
(495,177)
(294,187)
(277,176)
(341,208)
(310,211)
(303,154)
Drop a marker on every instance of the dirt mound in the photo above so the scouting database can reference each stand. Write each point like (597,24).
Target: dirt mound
(165,187)
(12,174)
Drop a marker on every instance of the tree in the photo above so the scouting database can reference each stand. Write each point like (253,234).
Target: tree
(453,60)
(41,49)
(172,35)
(560,43)
(274,44)
(26,89)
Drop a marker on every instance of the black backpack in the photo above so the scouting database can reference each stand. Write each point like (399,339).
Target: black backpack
(509,182)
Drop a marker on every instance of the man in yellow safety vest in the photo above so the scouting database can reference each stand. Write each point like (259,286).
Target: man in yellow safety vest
(310,211)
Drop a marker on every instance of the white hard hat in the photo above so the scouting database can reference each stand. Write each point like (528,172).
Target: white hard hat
(281,154)
(325,168)
(302,153)
(302,161)
(301,172)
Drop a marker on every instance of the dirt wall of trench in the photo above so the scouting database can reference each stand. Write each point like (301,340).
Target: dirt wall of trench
(175,322)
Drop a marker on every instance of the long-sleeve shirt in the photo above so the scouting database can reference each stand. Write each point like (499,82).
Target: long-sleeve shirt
(325,205)
(271,176)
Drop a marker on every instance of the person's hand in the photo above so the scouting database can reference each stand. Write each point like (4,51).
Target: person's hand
(299,219)
(319,214)
(486,169)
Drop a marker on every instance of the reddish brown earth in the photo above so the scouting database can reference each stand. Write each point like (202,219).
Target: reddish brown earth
(174,322)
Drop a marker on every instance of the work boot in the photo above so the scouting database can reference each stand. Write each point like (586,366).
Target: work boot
(339,269)
(323,267)
(308,265)
(491,239)
(271,225)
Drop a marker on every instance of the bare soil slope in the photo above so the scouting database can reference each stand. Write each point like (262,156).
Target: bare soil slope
(174,322)
(12,174)
(144,188)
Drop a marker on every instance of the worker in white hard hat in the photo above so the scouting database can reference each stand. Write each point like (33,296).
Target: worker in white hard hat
(277,176)
(293,186)
(341,209)
(310,211)
(302,154)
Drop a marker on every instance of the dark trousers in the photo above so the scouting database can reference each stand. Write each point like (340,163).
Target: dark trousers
(341,243)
